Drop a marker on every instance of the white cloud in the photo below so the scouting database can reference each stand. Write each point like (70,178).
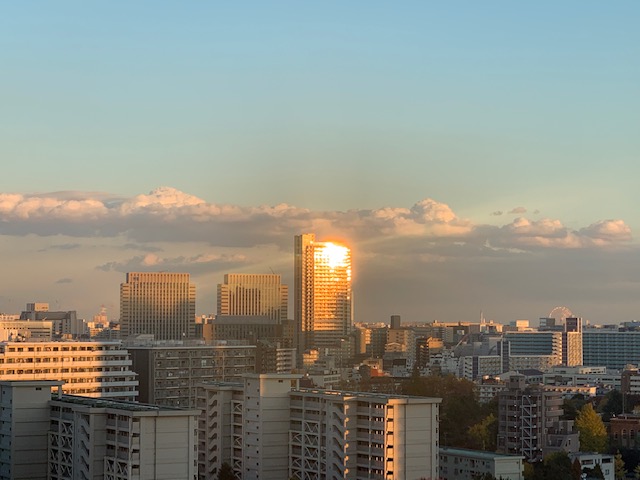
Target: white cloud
(169,215)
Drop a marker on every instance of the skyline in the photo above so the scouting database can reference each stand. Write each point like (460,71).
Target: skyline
(406,260)
(475,157)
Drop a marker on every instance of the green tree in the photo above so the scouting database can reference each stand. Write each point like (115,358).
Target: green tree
(226,472)
(621,472)
(557,465)
(459,410)
(484,434)
(593,434)
(636,472)
(611,405)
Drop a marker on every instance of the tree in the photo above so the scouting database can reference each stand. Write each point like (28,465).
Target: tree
(576,470)
(557,465)
(571,406)
(621,472)
(459,410)
(593,434)
(484,434)
(611,405)
(594,473)
(226,472)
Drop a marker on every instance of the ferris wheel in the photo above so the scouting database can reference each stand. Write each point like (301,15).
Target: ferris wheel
(560,314)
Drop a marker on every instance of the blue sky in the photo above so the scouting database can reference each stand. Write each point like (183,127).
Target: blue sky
(331,107)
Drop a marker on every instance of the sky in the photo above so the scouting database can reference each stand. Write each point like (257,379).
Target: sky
(476,156)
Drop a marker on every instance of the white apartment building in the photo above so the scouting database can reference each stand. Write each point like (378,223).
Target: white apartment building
(246,424)
(362,436)
(61,437)
(24,426)
(92,369)
(267,428)
(96,438)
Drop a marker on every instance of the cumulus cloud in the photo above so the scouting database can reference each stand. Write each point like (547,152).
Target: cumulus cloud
(497,213)
(168,215)
(518,211)
(552,233)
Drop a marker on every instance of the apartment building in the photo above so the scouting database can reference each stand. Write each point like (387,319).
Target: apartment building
(267,428)
(246,424)
(95,438)
(60,437)
(169,374)
(529,421)
(92,369)
(610,348)
(361,436)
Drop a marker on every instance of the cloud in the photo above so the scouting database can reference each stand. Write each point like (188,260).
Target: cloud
(497,213)
(518,211)
(552,233)
(65,246)
(607,231)
(64,280)
(167,215)
(194,264)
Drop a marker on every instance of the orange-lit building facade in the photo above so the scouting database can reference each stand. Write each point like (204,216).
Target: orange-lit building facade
(322,292)
(159,303)
(249,294)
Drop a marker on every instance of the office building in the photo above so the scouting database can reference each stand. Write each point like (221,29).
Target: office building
(170,374)
(92,369)
(161,304)
(267,428)
(60,437)
(246,327)
(260,295)
(463,464)
(322,292)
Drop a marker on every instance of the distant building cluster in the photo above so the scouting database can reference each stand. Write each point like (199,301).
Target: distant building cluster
(268,396)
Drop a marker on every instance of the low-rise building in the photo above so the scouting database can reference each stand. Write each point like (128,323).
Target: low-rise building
(588,461)
(463,464)
(624,431)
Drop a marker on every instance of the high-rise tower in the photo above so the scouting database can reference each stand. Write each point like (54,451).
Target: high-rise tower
(158,303)
(322,292)
(249,294)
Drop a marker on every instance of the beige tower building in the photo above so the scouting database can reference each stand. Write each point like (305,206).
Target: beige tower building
(158,303)
(253,295)
(322,292)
